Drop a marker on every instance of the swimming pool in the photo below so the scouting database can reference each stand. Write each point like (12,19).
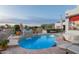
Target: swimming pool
(38,42)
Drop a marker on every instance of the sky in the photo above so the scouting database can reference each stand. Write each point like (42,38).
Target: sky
(33,14)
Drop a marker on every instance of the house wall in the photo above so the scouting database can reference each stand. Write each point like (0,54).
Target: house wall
(59,25)
(70,16)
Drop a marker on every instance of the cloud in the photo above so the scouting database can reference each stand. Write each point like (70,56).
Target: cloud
(30,20)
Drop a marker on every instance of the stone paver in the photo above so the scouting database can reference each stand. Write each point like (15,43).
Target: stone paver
(19,50)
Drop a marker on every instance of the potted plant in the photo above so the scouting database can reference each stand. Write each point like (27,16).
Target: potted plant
(3,44)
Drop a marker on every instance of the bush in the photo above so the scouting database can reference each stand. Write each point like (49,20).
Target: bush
(3,44)
(59,30)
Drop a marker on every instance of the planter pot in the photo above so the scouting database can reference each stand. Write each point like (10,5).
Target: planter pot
(18,33)
(3,48)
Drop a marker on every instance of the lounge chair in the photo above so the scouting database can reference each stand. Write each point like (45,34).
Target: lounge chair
(65,46)
(74,48)
(71,44)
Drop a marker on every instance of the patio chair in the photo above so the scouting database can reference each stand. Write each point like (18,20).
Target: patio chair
(74,49)
(65,46)
(69,47)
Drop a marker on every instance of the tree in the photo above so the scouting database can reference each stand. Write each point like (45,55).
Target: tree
(44,26)
(17,28)
(2,27)
(48,26)
(8,26)
(63,20)
(26,27)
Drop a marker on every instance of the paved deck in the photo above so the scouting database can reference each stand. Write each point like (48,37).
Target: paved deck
(19,50)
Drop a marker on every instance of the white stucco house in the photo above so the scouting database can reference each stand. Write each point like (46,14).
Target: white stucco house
(59,25)
(72,16)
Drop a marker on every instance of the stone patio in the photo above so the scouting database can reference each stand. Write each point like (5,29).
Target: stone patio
(19,50)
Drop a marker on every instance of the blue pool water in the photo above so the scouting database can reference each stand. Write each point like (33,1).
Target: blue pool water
(38,42)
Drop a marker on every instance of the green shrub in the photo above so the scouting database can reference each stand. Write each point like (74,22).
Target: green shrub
(4,44)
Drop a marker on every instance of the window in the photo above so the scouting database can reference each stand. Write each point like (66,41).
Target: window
(74,22)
